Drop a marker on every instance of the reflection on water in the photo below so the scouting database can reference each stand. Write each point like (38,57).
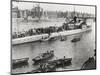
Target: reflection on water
(79,51)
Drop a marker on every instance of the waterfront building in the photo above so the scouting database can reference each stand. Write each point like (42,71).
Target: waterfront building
(37,12)
(52,14)
(15,12)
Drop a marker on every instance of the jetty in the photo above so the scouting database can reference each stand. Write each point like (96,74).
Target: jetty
(35,38)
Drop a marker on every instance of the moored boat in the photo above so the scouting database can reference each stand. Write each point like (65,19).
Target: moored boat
(61,62)
(43,56)
(63,38)
(75,40)
(46,39)
(45,69)
(19,62)
(51,66)
(53,39)
(89,64)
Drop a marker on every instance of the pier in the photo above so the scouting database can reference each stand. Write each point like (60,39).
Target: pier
(39,37)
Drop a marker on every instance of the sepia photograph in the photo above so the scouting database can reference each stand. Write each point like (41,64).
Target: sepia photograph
(52,37)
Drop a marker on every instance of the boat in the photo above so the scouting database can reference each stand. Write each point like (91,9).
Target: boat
(48,39)
(61,62)
(51,66)
(75,40)
(44,39)
(43,70)
(43,57)
(63,38)
(19,62)
(53,38)
(89,64)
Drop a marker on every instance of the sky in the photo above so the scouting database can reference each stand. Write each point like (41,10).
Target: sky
(55,7)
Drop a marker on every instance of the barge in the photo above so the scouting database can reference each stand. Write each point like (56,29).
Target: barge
(19,62)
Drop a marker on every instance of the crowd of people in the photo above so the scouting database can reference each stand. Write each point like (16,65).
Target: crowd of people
(37,31)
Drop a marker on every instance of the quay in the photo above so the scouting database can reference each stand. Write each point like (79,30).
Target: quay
(35,38)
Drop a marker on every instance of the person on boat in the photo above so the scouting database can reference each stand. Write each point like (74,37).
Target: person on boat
(63,61)
(74,19)
(52,51)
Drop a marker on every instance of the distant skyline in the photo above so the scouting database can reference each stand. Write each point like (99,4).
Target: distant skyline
(55,7)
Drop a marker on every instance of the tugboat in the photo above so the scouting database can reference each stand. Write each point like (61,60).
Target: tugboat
(61,62)
(19,62)
(43,57)
(45,68)
(51,66)
(75,40)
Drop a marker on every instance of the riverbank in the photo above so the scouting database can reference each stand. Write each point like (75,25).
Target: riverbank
(39,37)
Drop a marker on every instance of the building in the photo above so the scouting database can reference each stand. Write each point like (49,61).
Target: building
(37,12)
(51,14)
(15,12)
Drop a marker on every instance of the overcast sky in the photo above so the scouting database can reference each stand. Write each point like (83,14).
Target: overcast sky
(55,7)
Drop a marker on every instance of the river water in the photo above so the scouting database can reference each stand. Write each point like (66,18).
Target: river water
(79,51)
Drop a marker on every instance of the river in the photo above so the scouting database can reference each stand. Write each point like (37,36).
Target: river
(79,51)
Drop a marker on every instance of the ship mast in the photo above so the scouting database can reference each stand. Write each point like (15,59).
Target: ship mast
(74,12)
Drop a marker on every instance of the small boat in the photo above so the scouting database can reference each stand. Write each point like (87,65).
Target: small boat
(48,39)
(43,57)
(89,64)
(51,66)
(43,40)
(61,62)
(75,40)
(63,38)
(43,70)
(52,39)
(19,62)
